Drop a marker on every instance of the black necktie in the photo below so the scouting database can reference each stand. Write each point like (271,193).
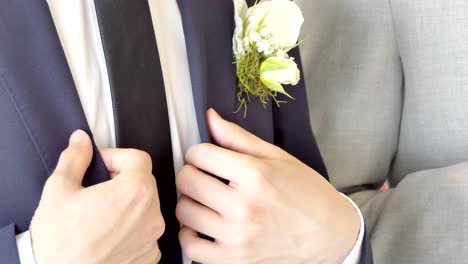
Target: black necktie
(139,100)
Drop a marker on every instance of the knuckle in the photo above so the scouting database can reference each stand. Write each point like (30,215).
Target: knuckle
(259,178)
(243,239)
(188,248)
(158,228)
(181,208)
(251,212)
(140,156)
(143,192)
(153,229)
(154,256)
(146,191)
(183,177)
(191,152)
(198,150)
(250,162)
(157,257)
(150,181)
(185,242)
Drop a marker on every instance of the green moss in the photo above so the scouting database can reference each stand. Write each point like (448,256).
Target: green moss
(248,74)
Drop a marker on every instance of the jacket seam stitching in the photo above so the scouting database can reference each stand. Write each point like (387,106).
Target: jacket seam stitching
(25,124)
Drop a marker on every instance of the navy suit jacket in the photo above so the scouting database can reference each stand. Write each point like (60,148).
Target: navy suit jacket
(40,108)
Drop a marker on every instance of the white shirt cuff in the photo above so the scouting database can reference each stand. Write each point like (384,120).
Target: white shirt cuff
(355,254)
(25,251)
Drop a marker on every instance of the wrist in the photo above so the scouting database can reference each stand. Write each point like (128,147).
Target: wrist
(347,226)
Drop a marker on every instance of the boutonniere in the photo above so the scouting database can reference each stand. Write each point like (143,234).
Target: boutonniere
(263,36)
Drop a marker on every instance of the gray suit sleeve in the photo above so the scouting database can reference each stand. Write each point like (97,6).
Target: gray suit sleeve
(422,220)
(367,110)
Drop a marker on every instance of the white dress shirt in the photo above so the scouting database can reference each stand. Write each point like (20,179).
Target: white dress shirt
(78,29)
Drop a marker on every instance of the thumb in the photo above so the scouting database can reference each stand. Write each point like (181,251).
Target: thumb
(75,159)
(231,136)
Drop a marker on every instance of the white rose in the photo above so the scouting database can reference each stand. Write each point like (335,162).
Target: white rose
(275,71)
(282,19)
(240,10)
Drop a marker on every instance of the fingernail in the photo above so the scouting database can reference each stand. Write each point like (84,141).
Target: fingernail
(77,137)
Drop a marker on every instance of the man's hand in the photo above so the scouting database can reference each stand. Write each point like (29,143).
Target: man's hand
(274,210)
(118,221)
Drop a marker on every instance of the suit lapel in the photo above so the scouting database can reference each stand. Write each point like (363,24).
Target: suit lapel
(209,27)
(292,128)
(35,73)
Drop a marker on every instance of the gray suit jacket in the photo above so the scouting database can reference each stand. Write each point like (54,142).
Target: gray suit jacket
(388,92)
